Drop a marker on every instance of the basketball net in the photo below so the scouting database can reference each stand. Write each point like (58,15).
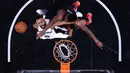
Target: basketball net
(60,56)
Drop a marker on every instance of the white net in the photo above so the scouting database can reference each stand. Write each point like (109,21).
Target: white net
(65,51)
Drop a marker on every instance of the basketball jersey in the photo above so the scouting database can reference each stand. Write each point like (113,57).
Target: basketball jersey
(57,32)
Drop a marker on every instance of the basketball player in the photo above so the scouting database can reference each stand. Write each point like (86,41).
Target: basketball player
(58,21)
(50,33)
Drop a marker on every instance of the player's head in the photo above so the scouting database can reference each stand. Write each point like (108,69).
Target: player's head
(41,22)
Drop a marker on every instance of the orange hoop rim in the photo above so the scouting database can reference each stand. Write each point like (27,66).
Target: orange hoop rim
(65,41)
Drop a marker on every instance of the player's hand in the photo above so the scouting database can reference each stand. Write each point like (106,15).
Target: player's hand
(40,34)
(99,44)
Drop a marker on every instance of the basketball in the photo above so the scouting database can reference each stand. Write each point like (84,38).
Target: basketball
(21,27)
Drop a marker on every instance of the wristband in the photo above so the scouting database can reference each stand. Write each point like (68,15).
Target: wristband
(96,41)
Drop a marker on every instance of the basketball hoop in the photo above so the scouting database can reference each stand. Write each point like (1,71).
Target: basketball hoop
(65,52)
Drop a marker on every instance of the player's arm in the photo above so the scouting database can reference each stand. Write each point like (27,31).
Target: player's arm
(59,23)
(92,36)
(70,32)
(81,24)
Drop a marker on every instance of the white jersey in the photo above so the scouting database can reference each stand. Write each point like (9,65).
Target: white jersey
(51,34)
